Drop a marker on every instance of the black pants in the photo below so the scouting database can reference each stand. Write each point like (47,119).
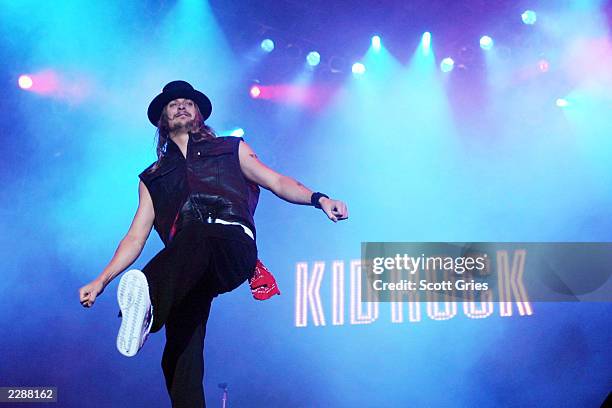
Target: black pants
(201,262)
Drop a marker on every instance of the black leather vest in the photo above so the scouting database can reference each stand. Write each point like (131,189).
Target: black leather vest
(210,174)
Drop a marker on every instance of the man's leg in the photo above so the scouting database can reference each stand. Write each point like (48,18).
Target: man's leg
(183,359)
(183,279)
(174,272)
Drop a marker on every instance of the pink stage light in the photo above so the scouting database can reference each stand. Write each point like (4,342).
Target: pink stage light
(311,97)
(45,82)
(50,83)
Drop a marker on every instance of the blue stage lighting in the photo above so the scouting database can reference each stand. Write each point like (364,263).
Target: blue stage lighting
(529,17)
(447,64)
(267,45)
(376,43)
(313,58)
(562,103)
(486,42)
(358,68)
(426,42)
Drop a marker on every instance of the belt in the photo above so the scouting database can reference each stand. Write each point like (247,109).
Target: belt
(246,229)
(210,220)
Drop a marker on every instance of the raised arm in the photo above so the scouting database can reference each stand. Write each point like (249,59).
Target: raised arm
(285,187)
(128,250)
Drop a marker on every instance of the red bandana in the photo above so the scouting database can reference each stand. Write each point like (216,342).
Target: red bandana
(263,285)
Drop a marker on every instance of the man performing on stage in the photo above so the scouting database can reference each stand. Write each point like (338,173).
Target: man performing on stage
(200,195)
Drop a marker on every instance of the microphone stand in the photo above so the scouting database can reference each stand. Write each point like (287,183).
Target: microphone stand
(225,388)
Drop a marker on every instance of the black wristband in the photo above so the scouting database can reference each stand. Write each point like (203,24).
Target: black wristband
(315,197)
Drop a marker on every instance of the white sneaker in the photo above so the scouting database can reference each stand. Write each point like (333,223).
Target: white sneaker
(136,312)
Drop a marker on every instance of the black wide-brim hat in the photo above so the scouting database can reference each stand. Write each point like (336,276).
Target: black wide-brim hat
(175,90)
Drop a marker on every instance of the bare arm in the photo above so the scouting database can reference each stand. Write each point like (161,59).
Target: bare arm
(128,250)
(285,187)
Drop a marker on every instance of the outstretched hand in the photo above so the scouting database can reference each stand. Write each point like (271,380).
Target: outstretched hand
(89,292)
(335,210)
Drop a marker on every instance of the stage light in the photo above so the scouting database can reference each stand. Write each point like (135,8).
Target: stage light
(267,45)
(529,17)
(376,43)
(486,42)
(313,58)
(447,64)
(426,42)
(358,68)
(562,103)
(25,82)
(255,91)
(543,65)
(238,132)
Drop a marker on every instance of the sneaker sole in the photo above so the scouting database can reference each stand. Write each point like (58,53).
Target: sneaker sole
(134,302)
